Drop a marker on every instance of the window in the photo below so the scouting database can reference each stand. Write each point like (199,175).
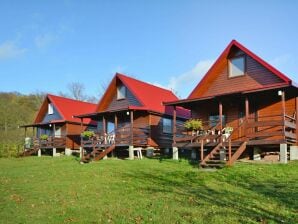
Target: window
(236,66)
(121,92)
(214,120)
(50,108)
(167,125)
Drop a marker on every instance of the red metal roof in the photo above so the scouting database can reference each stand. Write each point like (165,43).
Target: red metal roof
(224,55)
(67,108)
(150,97)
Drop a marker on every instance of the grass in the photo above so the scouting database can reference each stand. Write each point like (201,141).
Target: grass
(60,190)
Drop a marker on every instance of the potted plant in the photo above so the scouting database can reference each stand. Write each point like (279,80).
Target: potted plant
(86,135)
(193,125)
(44,137)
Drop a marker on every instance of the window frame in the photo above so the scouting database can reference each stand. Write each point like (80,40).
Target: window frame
(230,76)
(167,128)
(123,94)
(50,108)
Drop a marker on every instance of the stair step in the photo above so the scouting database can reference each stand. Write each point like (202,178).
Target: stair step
(216,162)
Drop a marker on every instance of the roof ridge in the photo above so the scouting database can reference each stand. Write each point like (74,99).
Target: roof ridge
(146,83)
(67,98)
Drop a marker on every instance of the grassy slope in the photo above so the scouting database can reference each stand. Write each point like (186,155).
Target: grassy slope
(57,190)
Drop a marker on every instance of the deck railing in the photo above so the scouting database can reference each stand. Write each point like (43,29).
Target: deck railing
(51,142)
(272,129)
(137,136)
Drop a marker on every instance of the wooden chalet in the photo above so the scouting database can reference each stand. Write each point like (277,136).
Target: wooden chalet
(247,108)
(131,115)
(54,128)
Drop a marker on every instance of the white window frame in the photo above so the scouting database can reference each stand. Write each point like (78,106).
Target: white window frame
(167,125)
(121,92)
(50,108)
(232,67)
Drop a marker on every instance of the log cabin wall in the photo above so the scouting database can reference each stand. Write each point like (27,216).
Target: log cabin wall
(257,76)
(73,133)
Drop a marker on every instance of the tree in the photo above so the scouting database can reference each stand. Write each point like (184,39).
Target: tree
(76,90)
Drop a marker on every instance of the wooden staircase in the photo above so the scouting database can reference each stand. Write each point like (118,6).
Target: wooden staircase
(98,153)
(29,152)
(223,154)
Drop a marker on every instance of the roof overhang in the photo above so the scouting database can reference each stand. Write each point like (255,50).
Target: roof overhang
(184,102)
(53,122)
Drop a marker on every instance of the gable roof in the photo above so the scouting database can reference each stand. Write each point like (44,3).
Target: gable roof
(149,96)
(66,108)
(207,78)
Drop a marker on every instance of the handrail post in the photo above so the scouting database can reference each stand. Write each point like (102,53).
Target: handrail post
(202,150)
(283,103)
(230,152)
(174,125)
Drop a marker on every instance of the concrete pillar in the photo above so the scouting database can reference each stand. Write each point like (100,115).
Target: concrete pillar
(293,152)
(193,154)
(283,157)
(257,153)
(222,154)
(54,152)
(39,153)
(81,150)
(68,152)
(106,156)
(175,153)
(130,152)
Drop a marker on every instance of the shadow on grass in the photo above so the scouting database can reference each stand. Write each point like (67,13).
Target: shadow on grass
(243,199)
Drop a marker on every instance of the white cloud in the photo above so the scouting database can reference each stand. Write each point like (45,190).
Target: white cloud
(185,82)
(9,50)
(44,40)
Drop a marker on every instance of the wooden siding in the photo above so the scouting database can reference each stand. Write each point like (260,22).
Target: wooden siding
(256,77)
(49,117)
(130,100)
(73,133)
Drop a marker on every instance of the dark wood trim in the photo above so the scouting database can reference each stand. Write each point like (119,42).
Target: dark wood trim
(174,124)
(131,127)
(104,127)
(220,115)
(296,120)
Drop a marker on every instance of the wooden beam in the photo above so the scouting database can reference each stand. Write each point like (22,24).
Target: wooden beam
(82,124)
(131,127)
(283,105)
(104,125)
(54,130)
(202,150)
(116,121)
(174,124)
(296,117)
(246,116)
(220,116)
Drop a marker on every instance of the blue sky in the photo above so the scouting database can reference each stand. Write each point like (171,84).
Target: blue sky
(44,45)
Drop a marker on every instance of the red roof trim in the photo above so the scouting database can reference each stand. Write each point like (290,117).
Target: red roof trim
(248,52)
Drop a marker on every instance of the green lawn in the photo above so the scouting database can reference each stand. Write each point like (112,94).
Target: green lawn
(60,190)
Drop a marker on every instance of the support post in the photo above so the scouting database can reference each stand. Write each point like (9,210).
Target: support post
(25,132)
(230,152)
(174,125)
(202,150)
(256,153)
(283,103)
(131,152)
(246,116)
(104,127)
(293,152)
(131,128)
(39,153)
(54,152)
(81,146)
(220,119)
(283,155)
(175,153)
(296,121)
